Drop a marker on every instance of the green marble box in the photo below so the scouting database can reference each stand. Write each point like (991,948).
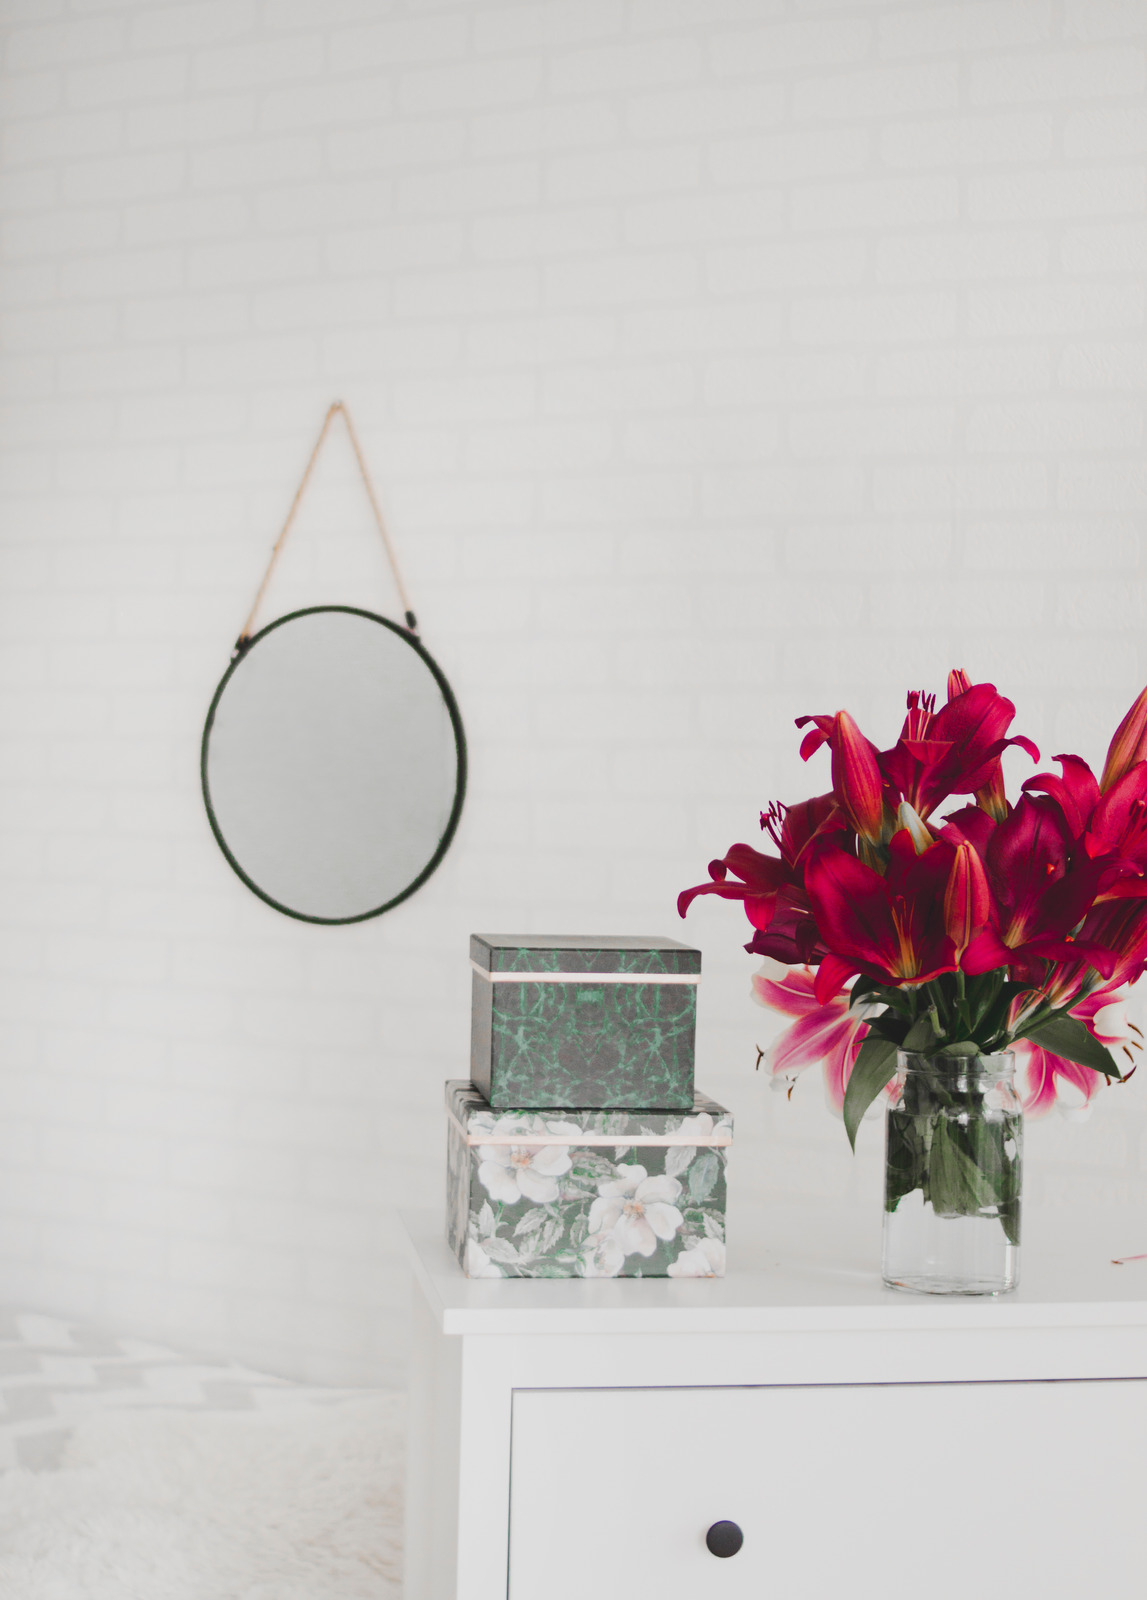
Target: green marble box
(597,1022)
(586,1194)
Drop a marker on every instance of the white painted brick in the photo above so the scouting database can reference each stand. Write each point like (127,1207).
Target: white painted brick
(970,486)
(787,487)
(698,113)
(124,274)
(30,94)
(1058,76)
(1103,19)
(325,104)
(784,376)
(539,340)
(398,39)
(618,68)
(253,261)
(1055,426)
(43,140)
(475,292)
(878,92)
(870,319)
(195,217)
(384,147)
(1106,134)
(187,122)
(119,372)
(504,29)
(581,391)
(651,278)
(963,369)
(258,62)
(1059,193)
(258,161)
(957,257)
(506,237)
(872,431)
(58,43)
(617,173)
(782,47)
(180,27)
(981,140)
(129,177)
(508,185)
(1118,366)
(699,218)
(975,26)
(126,80)
(1054,308)
(60,233)
(876,203)
(469,86)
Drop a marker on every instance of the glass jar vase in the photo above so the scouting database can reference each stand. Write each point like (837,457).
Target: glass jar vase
(953,1163)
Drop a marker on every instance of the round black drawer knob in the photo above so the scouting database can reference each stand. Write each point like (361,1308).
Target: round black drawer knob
(724,1539)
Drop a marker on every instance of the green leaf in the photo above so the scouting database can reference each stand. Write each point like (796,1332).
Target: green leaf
(919,1036)
(1067,1037)
(963,1047)
(889,1026)
(703,1175)
(875,1065)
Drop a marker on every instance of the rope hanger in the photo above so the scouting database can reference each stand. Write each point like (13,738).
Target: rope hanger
(336,409)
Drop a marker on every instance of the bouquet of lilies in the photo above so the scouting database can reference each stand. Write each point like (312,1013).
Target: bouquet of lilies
(885,927)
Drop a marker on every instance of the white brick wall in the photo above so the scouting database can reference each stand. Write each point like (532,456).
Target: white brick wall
(719,360)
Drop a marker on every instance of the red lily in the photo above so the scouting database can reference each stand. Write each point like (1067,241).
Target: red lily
(1119,928)
(967,898)
(856,782)
(1076,792)
(1037,900)
(1117,826)
(795,830)
(891,928)
(952,751)
(1128,744)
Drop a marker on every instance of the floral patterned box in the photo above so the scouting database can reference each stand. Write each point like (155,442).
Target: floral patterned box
(586,1194)
(574,1021)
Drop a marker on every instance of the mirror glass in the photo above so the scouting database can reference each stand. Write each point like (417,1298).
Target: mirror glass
(334,764)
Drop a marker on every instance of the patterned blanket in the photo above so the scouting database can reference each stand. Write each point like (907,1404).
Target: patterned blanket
(54,1372)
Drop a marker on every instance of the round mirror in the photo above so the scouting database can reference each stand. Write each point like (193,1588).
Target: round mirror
(333,764)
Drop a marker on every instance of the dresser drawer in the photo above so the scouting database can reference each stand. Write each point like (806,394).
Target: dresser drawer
(950,1490)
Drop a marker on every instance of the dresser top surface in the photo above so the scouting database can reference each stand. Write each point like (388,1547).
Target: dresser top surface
(804,1268)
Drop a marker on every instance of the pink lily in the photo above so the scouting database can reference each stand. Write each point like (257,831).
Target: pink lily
(831,1034)
(1044,1076)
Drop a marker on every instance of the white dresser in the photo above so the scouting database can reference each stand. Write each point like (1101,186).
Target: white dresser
(578,1440)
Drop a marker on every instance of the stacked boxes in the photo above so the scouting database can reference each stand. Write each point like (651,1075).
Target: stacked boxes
(580,1148)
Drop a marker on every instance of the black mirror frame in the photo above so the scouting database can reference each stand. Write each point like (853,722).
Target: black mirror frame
(420,649)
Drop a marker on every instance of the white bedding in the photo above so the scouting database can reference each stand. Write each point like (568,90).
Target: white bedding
(55,1372)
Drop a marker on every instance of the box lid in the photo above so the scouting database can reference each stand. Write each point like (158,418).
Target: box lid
(707,1124)
(571,954)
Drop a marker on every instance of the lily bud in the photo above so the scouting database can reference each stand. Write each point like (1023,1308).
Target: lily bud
(856,779)
(967,898)
(992,799)
(909,818)
(958,682)
(1128,744)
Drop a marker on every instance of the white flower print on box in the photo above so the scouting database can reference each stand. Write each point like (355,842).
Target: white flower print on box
(512,1172)
(705,1259)
(636,1209)
(590,1194)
